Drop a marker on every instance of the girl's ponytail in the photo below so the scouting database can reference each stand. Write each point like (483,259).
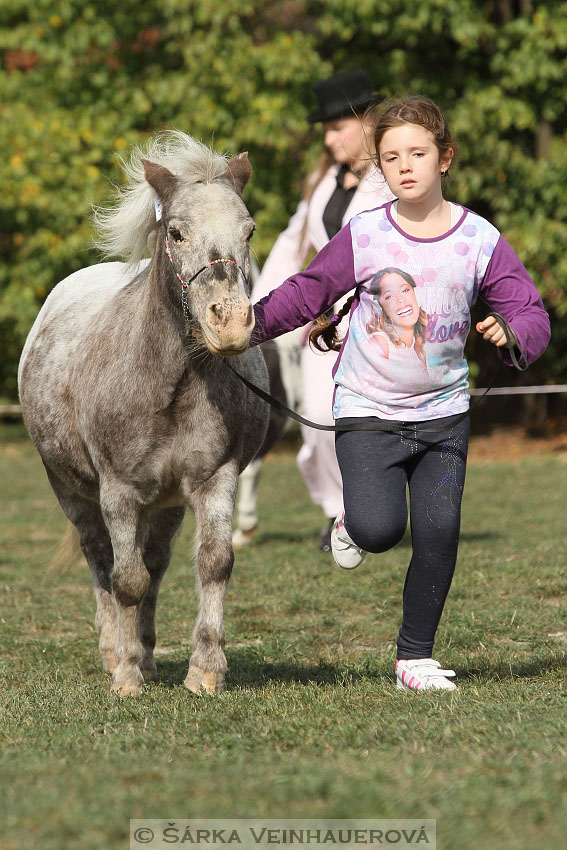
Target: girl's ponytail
(323,336)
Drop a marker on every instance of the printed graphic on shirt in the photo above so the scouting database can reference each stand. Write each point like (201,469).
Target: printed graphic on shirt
(396,326)
(404,357)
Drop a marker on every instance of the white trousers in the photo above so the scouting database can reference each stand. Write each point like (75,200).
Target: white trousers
(316,459)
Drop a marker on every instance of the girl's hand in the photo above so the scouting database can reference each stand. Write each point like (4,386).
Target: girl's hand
(493,332)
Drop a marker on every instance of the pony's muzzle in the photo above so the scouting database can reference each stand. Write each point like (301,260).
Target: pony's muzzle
(229,324)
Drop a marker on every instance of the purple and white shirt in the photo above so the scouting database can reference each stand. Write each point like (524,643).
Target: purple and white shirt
(375,374)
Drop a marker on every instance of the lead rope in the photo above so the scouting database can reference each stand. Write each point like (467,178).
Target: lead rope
(392,427)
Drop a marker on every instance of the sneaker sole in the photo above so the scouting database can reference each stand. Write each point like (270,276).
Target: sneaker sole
(401,687)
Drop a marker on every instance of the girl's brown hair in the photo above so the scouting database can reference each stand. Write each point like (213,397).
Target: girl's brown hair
(323,335)
(392,113)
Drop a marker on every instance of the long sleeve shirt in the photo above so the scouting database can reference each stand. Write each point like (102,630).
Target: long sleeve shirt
(447,274)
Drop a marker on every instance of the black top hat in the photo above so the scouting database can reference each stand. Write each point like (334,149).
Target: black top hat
(343,95)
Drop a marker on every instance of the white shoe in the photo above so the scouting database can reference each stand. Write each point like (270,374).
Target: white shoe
(345,551)
(422,674)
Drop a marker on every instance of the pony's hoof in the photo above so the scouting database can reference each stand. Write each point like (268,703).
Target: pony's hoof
(242,538)
(127,685)
(109,662)
(198,680)
(127,689)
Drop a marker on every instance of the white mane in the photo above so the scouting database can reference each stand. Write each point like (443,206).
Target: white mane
(127,230)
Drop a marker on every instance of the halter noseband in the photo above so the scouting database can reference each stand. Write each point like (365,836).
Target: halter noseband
(185,284)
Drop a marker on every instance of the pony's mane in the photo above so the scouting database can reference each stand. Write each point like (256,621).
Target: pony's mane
(127,230)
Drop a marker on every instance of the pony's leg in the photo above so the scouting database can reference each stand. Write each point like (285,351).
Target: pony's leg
(157,555)
(97,549)
(129,580)
(247,517)
(95,544)
(213,504)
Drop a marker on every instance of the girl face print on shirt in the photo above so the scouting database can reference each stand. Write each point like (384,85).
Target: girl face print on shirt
(396,310)
(398,301)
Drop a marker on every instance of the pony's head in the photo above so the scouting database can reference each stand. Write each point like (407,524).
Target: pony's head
(206,234)
(201,230)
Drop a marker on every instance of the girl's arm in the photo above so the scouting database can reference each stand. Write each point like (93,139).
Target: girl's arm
(508,289)
(306,295)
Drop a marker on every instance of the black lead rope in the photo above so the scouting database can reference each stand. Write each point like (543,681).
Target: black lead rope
(393,427)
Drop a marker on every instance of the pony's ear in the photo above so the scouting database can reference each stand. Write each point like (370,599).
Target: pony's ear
(239,171)
(160,179)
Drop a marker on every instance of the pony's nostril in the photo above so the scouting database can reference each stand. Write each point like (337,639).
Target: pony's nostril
(216,310)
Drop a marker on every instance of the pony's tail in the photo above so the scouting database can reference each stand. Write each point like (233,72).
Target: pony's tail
(324,336)
(68,552)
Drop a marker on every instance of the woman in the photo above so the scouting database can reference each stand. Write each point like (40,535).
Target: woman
(345,183)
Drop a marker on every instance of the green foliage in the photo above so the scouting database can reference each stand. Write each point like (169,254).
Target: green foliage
(80,82)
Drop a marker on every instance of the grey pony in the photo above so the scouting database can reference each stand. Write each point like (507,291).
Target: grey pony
(132,406)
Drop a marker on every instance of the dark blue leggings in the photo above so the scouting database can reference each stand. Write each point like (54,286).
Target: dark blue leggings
(377,468)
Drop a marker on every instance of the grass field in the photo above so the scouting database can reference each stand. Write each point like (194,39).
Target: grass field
(311,724)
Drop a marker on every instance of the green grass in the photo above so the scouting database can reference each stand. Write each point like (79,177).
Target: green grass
(311,724)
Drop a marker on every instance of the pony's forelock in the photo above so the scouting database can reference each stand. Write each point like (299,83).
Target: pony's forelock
(127,230)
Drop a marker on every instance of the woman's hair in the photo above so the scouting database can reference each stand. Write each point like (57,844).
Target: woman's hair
(313,179)
(310,184)
(381,322)
(412,110)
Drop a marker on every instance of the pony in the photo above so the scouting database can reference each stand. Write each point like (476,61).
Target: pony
(127,394)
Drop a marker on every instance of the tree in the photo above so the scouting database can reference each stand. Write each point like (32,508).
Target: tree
(81,82)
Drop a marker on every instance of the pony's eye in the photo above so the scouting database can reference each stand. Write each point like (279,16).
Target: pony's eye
(175,234)
(251,234)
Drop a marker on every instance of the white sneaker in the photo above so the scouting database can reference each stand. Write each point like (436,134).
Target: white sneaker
(422,674)
(345,551)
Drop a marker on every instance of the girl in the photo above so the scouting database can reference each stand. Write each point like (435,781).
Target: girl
(453,256)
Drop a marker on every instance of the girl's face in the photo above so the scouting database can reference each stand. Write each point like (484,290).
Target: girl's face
(410,162)
(398,301)
(346,140)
